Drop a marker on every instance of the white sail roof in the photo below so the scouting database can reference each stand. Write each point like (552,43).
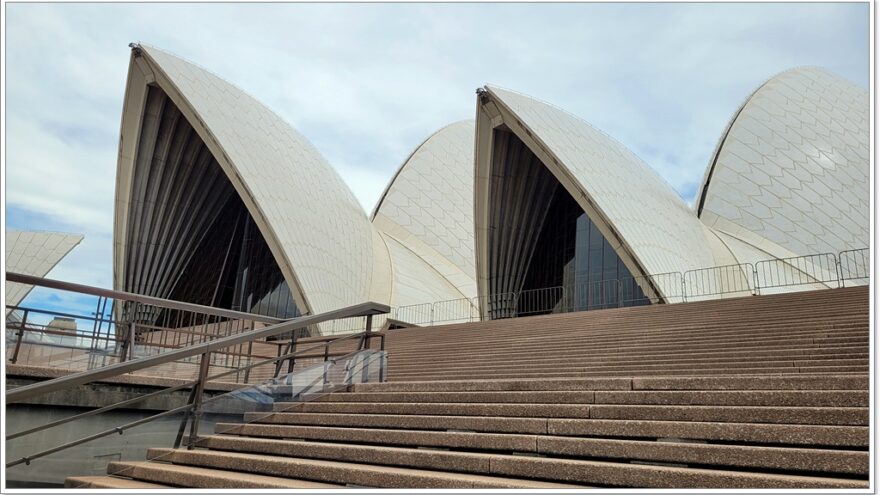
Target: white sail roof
(651,220)
(428,209)
(790,175)
(314,226)
(34,253)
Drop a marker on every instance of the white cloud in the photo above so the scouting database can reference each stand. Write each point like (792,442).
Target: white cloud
(367,82)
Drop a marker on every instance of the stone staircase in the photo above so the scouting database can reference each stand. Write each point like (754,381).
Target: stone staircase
(757,392)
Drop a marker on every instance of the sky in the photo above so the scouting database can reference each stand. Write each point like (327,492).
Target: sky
(366,83)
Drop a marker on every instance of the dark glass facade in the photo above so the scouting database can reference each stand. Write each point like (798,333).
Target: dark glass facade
(575,265)
(545,254)
(233,268)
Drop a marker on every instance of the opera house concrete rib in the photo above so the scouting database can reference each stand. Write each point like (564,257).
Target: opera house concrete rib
(221,202)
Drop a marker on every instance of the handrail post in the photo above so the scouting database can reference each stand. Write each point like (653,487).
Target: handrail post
(131,335)
(326,363)
(278,362)
(250,356)
(368,333)
(382,358)
(204,364)
(123,352)
(291,362)
(19,336)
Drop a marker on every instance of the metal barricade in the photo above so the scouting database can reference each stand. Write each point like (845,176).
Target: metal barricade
(719,280)
(815,270)
(454,311)
(496,306)
(416,314)
(541,301)
(855,266)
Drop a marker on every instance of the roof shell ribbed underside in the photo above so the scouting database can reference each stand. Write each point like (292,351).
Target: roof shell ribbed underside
(312,222)
(654,223)
(791,174)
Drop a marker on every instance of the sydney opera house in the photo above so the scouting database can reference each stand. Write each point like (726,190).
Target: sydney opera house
(220,202)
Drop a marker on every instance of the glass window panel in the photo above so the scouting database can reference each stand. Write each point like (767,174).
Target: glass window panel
(595,237)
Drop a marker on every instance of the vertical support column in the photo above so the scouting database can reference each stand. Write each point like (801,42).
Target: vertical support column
(368,332)
(18,337)
(131,335)
(291,361)
(250,353)
(383,362)
(126,341)
(204,364)
(326,363)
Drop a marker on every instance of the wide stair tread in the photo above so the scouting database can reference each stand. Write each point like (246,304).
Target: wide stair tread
(366,475)
(109,482)
(201,477)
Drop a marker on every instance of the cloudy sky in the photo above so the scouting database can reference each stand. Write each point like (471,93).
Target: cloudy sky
(366,82)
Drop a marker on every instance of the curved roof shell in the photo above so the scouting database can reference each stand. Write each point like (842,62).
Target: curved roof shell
(427,212)
(312,223)
(790,175)
(34,253)
(644,219)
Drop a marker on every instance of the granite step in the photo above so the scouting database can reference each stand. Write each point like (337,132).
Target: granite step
(721,371)
(821,382)
(200,477)
(692,339)
(494,424)
(829,370)
(507,471)
(821,435)
(546,347)
(562,356)
(364,475)
(667,450)
(110,482)
(663,359)
(819,398)
(514,367)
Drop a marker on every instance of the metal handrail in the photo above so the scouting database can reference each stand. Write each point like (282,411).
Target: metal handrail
(118,429)
(193,407)
(188,384)
(195,401)
(21,393)
(104,409)
(128,296)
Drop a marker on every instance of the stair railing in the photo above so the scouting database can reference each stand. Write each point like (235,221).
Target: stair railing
(192,408)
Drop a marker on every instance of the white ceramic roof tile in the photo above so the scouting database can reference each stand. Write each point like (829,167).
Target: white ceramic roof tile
(433,194)
(660,230)
(34,253)
(415,281)
(319,225)
(811,168)
(431,198)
